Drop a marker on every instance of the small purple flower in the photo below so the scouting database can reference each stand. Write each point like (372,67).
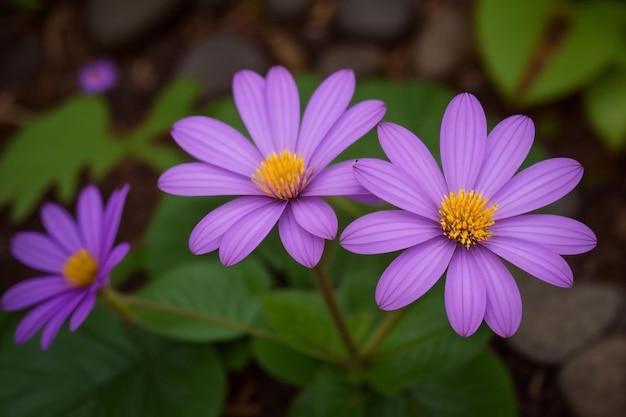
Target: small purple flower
(283,175)
(97,77)
(462,222)
(76,258)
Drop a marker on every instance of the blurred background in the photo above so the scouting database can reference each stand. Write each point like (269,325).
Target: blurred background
(563,63)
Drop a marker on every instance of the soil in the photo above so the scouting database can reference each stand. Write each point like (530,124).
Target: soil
(59,33)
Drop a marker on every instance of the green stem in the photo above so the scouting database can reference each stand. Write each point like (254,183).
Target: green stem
(116,301)
(384,328)
(326,288)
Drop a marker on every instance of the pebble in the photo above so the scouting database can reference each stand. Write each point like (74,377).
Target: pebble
(559,322)
(594,383)
(113,23)
(213,61)
(384,21)
(364,58)
(442,44)
(289,10)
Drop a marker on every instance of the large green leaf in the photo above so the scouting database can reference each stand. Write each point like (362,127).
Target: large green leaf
(481,388)
(204,287)
(302,320)
(605,105)
(107,368)
(528,63)
(285,363)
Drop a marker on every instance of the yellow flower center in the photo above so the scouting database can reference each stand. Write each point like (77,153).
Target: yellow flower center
(81,269)
(282,176)
(466,218)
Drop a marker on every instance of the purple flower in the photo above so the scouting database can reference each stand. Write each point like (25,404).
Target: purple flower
(462,222)
(97,77)
(283,175)
(76,258)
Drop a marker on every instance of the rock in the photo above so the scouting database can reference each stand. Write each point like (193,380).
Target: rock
(377,20)
(21,62)
(443,42)
(289,10)
(364,59)
(559,322)
(594,383)
(113,23)
(214,60)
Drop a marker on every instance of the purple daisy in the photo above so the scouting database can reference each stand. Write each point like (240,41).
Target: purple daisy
(98,76)
(76,258)
(283,175)
(464,220)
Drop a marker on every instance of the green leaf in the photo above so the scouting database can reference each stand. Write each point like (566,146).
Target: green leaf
(235,354)
(204,287)
(481,388)
(605,106)
(302,320)
(528,63)
(109,369)
(52,150)
(284,363)
(330,395)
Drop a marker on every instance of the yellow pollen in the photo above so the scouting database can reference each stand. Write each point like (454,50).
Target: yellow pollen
(81,269)
(465,217)
(282,176)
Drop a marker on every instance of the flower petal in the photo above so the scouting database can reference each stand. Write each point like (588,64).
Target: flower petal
(115,257)
(89,213)
(40,315)
(465,293)
(538,260)
(207,235)
(38,251)
(217,143)
(283,108)
(83,310)
(336,180)
(112,216)
(508,145)
(405,150)
(303,246)
(52,328)
(329,101)
(249,231)
(537,186)
(388,182)
(351,126)
(200,179)
(463,141)
(504,303)
(61,227)
(249,95)
(33,291)
(413,273)
(387,231)
(315,216)
(563,235)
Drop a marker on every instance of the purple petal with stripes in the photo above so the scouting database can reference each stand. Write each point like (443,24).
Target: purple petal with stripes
(283,108)
(52,328)
(38,251)
(33,291)
(112,216)
(315,216)
(83,310)
(336,180)
(42,314)
(200,179)
(303,246)
(89,212)
(62,228)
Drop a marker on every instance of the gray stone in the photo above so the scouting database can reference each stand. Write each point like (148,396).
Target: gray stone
(289,9)
(116,22)
(364,59)
(559,322)
(594,383)
(214,60)
(377,20)
(442,43)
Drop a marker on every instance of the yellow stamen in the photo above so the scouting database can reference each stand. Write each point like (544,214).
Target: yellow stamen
(465,217)
(282,176)
(81,269)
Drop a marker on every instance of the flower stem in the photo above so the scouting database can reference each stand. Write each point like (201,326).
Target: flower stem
(325,287)
(384,328)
